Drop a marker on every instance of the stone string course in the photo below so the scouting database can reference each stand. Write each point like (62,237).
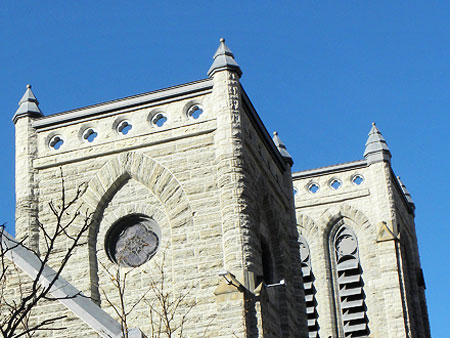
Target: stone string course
(217,190)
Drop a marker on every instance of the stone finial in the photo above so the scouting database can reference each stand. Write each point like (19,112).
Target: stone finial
(28,105)
(224,59)
(376,147)
(282,149)
(406,193)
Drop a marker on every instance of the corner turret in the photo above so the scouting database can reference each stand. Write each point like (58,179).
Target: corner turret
(224,59)
(282,149)
(377,149)
(28,105)
(406,193)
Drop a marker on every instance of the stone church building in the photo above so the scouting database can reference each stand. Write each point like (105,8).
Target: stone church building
(187,183)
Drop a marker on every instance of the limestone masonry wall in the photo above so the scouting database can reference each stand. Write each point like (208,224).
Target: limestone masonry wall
(195,164)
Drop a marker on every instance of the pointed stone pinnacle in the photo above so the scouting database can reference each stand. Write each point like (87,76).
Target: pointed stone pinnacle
(282,149)
(28,96)
(224,60)
(376,147)
(406,193)
(28,105)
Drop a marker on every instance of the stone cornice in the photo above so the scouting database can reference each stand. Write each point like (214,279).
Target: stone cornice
(329,169)
(124,103)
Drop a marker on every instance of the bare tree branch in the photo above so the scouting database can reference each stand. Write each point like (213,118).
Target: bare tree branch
(69,226)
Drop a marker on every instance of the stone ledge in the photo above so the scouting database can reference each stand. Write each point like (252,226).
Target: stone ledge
(78,155)
(332,198)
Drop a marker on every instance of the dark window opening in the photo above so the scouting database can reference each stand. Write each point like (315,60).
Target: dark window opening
(267,265)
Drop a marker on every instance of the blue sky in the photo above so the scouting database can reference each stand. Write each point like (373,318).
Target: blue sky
(318,72)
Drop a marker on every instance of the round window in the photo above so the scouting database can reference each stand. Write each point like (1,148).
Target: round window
(56,142)
(313,188)
(132,240)
(159,120)
(89,135)
(194,112)
(124,127)
(335,184)
(357,179)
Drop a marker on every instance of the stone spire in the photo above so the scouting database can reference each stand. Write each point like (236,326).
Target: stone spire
(406,193)
(282,148)
(28,105)
(376,147)
(224,59)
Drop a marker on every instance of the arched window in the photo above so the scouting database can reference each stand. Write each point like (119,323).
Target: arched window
(267,264)
(348,282)
(308,284)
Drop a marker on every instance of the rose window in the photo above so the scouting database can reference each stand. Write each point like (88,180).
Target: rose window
(133,241)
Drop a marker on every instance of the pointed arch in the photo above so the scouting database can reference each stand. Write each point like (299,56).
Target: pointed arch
(158,179)
(116,173)
(332,216)
(308,228)
(349,296)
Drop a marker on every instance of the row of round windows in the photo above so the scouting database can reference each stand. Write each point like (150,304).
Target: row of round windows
(334,184)
(157,120)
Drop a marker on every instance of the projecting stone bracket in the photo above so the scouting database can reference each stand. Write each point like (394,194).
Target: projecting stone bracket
(258,289)
(229,288)
(385,233)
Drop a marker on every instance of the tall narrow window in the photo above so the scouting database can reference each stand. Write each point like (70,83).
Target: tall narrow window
(267,265)
(348,281)
(308,284)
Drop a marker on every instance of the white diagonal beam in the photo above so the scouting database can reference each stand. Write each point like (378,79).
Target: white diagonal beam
(66,293)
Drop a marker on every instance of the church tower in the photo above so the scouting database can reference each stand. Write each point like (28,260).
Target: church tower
(358,245)
(183,183)
(192,205)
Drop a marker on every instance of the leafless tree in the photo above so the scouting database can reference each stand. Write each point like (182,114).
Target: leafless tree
(119,279)
(168,313)
(16,309)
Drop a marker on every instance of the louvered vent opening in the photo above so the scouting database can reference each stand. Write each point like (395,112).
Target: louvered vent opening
(310,291)
(350,284)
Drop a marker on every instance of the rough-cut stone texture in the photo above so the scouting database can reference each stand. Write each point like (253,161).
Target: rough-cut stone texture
(219,189)
(394,309)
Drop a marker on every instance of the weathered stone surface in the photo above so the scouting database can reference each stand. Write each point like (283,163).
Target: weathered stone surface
(221,195)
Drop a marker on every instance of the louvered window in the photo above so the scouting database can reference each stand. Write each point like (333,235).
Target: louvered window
(350,294)
(308,283)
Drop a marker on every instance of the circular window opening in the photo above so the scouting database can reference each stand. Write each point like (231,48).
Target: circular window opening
(132,241)
(335,184)
(89,135)
(159,120)
(124,127)
(194,112)
(56,142)
(357,179)
(295,191)
(313,188)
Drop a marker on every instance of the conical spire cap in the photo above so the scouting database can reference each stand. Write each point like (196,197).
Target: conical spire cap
(282,149)
(406,193)
(224,59)
(28,96)
(376,147)
(28,105)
